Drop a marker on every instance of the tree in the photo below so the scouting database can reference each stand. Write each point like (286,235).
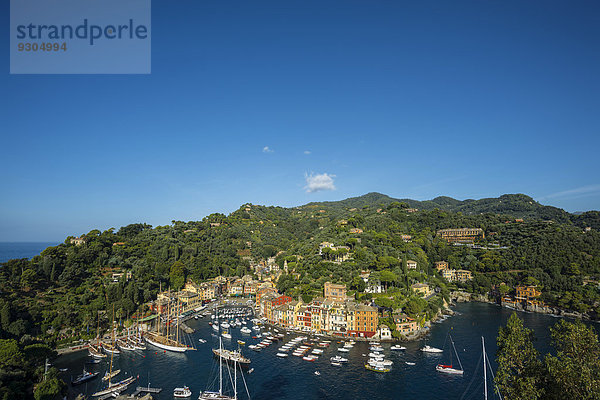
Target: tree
(10,354)
(177,275)
(49,389)
(388,277)
(575,370)
(519,375)
(28,278)
(504,289)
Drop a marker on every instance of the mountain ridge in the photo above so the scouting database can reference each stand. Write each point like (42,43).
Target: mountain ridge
(517,205)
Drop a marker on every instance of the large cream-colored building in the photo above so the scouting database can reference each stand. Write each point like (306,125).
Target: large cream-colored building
(334,291)
(460,275)
(461,235)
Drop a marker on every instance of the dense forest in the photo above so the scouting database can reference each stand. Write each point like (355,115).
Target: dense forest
(570,371)
(58,296)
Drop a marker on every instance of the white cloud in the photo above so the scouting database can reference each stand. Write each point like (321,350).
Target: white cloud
(315,183)
(307,152)
(266,149)
(574,193)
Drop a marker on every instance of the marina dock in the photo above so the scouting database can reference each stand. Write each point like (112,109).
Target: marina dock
(142,389)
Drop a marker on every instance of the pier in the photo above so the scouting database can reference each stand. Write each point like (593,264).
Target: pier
(148,389)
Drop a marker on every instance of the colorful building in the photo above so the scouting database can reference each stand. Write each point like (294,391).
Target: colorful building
(405,324)
(335,292)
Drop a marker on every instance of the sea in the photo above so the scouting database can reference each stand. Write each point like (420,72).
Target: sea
(13,250)
(295,379)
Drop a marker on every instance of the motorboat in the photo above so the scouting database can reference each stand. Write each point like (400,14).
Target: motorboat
(84,377)
(429,349)
(182,393)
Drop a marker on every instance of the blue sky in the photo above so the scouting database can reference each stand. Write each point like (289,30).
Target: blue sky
(467,99)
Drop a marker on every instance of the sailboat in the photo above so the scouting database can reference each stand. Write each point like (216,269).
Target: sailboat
(116,387)
(211,395)
(136,340)
(449,369)
(111,374)
(165,342)
(112,347)
(95,350)
(486,363)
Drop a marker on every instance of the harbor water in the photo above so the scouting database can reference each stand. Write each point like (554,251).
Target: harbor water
(294,378)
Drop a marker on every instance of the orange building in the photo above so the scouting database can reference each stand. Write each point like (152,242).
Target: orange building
(362,320)
(405,324)
(527,294)
(335,292)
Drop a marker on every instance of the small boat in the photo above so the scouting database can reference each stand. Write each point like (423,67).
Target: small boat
(202,340)
(429,349)
(376,368)
(95,351)
(409,363)
(309,358)
(317,373)
(251,370)
(337,364)
(245,330)
(282,355)
(343,350)
(93,361)
(110,375)
(182,393)
(226,335)
(338,359)
(376,348)
(84,377)
(397,347)
(241,342)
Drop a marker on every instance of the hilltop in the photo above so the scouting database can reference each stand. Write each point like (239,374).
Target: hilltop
(514,205)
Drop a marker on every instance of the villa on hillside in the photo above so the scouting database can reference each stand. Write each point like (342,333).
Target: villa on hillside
(461,235)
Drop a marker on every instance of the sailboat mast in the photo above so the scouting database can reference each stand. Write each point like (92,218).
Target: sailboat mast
(220,366)
(177,328)
(235,379)
(168,311)
(484,370)
(113,349)
(98,332)
(159,310)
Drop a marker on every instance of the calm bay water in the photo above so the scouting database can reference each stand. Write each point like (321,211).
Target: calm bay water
(12,250)
(294,378)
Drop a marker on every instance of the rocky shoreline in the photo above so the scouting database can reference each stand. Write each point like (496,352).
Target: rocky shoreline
(463,297)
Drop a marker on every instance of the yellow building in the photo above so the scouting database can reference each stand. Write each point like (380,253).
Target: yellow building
(463,275)
(453,275)
(441,265)
(461,235)
(527,294)
(422,288)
